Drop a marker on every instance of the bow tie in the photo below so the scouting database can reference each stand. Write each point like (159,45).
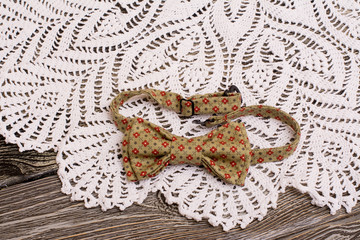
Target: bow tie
(225,151)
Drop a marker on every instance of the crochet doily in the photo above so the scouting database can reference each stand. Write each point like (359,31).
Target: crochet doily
(62,62)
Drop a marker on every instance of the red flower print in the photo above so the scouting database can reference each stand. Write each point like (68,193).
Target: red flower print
(173,139)
(198,148)
(128,127)
(242,157)
(289,148)
(231,139)
(165,144)
(233,149)
(126,159)
(124,121)
(226,125)
(259,115)
(159,162)
(270,152)
(213,149)
(234,108)
(147,130)
(196,109)
(227,176)
(278,118)
(260,160)
(143,174)
(157,129)
(220,135)
(237,128)
(156,138)
(178,97)
(280,158)
(152,93)
(124,143)
(140,120)
(222,167)
(268,111)
(189,157)
(210,135)
(222,143)
(162,93)
(145,143)
(188,104)
(172,157)
(251,153)
(190,140)
(242,109)
(212,163)
(155,152)
(116,124)
(233,163)
(129,173)
(181,147)
(135,151)
(223,156)
(239,173)
(260,106)
(136,135)
(215,159)
(215,109)
(168,102)
(205,100)
(166,164)
(138,164)
(122,102)
(224,101)
(242,141)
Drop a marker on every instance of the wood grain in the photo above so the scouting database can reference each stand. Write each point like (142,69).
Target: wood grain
(16,167)
(38,210)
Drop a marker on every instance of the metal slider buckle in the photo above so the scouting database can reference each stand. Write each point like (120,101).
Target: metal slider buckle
(192,106)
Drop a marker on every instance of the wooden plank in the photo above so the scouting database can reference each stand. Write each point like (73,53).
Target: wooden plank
(16,167)
(38,210)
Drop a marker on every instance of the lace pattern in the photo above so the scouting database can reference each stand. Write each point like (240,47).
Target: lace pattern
(62,62)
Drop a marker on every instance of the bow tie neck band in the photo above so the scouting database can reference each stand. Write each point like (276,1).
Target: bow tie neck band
(225,151)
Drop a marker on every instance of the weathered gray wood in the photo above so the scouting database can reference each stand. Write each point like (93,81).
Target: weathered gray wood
(38,210)
(16,167)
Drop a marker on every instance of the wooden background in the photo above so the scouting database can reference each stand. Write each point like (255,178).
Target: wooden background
(32,207)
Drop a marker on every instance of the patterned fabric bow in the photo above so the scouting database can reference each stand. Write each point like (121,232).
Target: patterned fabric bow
(225,151)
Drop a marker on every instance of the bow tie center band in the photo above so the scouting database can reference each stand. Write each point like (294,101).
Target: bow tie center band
(225,152)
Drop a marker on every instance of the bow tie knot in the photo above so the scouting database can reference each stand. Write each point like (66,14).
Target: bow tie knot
(185,150)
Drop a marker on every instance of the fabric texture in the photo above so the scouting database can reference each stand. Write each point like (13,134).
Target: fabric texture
(225,151)
(63,62)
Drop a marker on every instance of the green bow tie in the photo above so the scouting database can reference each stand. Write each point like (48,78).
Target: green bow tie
(225,151)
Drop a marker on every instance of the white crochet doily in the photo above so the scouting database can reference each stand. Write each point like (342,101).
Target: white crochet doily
(62,62)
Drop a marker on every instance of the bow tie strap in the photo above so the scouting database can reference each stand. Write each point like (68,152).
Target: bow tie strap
(265,154)
(212,103)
